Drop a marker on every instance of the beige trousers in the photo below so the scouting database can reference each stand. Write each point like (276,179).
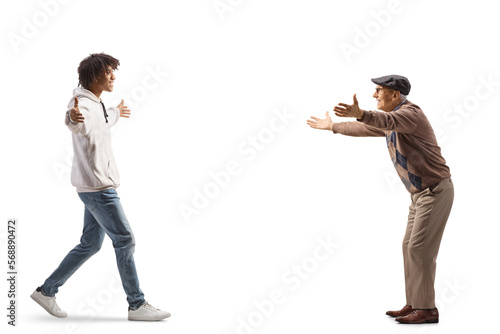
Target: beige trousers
(429,211)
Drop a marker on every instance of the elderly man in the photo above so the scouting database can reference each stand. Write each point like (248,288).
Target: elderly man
(417,158)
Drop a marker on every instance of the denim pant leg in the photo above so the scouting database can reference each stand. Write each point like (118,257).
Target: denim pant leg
(106,208)
(90,243)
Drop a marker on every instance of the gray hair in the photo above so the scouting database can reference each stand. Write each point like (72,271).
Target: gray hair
(403,97)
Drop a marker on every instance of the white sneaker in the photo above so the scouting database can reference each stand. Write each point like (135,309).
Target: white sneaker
(146,312)
(49,304)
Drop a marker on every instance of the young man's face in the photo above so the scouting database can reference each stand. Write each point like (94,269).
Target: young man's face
(106,82)
(387,98)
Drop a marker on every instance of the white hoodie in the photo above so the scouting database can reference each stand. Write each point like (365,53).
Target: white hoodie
(94,167)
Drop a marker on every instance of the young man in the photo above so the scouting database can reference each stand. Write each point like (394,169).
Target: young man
(417,158)
(95,176)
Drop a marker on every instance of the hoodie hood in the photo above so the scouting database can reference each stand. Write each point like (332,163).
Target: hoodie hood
(80,92)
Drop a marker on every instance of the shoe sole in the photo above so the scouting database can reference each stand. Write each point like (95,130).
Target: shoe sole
(139,319)
(430,321)
(46,309)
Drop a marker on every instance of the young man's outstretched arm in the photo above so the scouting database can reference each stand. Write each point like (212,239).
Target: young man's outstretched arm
(76,121)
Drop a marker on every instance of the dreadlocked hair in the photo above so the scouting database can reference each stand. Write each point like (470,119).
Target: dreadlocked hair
(92,68)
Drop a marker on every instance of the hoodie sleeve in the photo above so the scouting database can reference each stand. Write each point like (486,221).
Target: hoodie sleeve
(356,129)
(79,128)
(113,116)
(404,120)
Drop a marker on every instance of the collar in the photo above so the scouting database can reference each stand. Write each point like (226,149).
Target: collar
(399,105)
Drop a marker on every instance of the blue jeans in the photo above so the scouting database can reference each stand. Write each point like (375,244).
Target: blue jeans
(103,214)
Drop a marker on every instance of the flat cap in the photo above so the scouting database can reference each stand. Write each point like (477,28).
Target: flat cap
(396,82)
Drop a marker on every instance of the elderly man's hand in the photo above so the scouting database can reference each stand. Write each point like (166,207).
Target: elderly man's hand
(349,110)
(322,124)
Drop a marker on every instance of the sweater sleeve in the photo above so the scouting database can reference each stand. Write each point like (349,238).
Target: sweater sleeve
(404,120)
(357,129)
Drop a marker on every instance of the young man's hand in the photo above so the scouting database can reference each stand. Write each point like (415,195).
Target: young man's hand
(349,110)
(322,124)
(74,113)
(124,110)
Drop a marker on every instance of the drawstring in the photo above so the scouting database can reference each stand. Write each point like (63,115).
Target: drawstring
(105,113)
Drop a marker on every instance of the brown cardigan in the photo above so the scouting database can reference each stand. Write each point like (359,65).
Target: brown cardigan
(411,142)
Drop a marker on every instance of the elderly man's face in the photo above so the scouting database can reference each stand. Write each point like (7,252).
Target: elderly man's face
(387,98)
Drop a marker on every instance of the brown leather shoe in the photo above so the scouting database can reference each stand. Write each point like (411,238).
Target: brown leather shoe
(420,317)
(401,313)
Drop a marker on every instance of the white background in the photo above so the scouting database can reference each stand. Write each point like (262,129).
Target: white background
(226,74)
